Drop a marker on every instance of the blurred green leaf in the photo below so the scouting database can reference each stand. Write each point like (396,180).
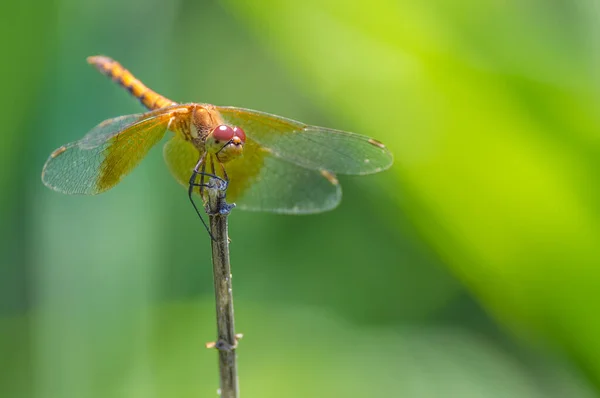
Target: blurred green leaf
(490,111)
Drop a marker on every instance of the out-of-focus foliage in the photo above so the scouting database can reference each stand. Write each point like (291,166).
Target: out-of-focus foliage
(470,269)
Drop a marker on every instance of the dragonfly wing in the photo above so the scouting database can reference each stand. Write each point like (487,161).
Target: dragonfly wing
(260,181)
(106,154)
(181,157)
(270,183)
(311,147)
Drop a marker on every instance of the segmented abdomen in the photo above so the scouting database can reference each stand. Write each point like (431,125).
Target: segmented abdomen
(109,67)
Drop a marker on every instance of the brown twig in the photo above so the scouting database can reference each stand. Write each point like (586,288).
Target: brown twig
(218,210)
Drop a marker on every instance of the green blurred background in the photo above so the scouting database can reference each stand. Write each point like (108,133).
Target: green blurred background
(470,269)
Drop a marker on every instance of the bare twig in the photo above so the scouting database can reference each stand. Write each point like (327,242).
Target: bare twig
(218,210)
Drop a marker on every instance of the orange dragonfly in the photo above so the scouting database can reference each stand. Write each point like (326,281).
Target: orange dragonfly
(271,163)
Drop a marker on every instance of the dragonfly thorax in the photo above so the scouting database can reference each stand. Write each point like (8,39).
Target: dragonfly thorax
(203,121)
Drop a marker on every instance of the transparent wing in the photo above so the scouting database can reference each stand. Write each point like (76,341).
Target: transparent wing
(105,155)
(181,157)
(260,181)
(312,147)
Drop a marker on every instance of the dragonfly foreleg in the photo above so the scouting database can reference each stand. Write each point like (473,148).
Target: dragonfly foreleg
(196,171)
(212,165)
(190,195)
(224,172)
(203,173)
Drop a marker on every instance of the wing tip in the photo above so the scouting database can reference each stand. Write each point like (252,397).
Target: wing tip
(56,153)
(49,183)
(53,181)
(377,166)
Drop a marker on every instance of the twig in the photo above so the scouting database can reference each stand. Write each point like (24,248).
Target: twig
(218,210)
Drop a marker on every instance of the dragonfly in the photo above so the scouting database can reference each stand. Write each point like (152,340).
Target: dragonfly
(270,163)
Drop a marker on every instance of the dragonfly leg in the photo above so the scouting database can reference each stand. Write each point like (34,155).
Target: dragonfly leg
(191,192)
(224,172)
(202,174)
(212,165)
(200,169)
(225,176)
(196,171)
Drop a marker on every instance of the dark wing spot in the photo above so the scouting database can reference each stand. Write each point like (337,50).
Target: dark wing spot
(330,177)
(376,143)
(58,151)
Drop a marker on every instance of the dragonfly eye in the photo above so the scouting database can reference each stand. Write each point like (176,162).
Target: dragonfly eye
(226,142)
(239,133)
(223,133)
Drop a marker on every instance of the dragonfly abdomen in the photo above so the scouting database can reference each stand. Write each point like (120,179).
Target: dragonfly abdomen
(111,68)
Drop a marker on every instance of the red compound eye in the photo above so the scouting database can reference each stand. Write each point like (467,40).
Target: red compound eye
(223,133)
(239,133)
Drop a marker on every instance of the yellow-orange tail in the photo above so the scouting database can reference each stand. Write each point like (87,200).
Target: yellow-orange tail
(109,67)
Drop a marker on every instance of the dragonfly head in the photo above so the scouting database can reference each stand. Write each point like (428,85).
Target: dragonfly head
(226,142)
